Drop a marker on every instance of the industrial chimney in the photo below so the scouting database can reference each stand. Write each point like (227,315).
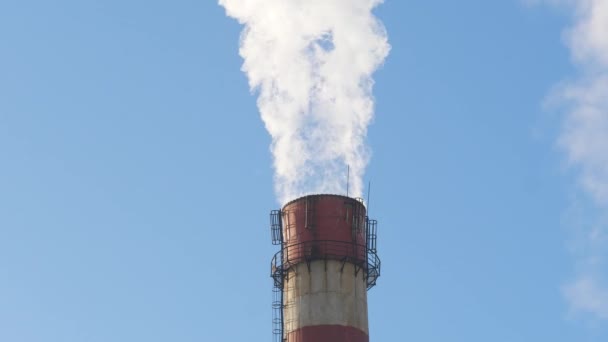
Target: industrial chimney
(326,264)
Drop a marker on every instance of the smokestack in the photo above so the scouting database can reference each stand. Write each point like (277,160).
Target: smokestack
(311,64)
(326,264)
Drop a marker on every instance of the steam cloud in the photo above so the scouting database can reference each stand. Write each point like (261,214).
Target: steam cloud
(585,140)
(311,61)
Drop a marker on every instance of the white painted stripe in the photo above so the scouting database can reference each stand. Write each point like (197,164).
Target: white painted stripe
(327,295)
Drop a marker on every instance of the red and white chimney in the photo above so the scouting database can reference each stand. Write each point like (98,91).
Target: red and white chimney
(326,264)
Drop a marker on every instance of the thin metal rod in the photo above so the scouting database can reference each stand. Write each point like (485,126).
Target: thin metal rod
(347,178)
(369,190)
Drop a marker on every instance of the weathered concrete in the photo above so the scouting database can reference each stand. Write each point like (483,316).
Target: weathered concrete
(331,293)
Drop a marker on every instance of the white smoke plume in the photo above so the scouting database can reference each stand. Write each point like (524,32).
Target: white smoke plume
(311,61)
(585,140)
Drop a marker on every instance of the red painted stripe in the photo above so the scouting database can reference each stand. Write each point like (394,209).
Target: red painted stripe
(328,333)
(324,227)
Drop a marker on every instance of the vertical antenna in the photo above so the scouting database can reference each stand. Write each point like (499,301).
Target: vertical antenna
(369,190)
(347,178)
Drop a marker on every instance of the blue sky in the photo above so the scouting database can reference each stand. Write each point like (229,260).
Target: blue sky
(136,177)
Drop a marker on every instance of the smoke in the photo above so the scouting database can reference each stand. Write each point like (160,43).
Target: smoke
(584,139)
(311,63)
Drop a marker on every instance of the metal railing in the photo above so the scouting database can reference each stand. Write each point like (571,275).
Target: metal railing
(309,251)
